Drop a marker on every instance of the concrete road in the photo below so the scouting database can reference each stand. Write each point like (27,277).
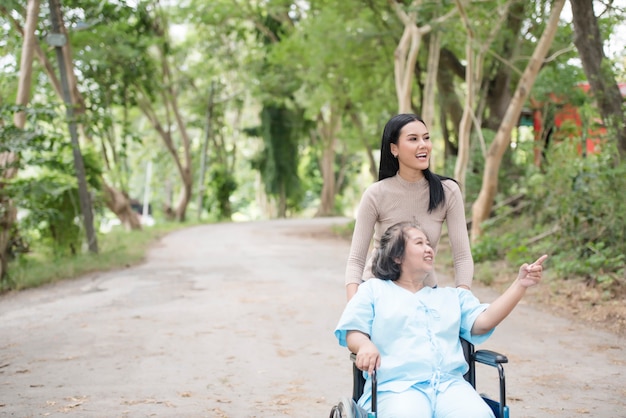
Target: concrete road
(235,320)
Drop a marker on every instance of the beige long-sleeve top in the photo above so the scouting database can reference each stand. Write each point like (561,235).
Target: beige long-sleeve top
(394,200)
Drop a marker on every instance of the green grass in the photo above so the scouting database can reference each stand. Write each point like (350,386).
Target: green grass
(344,231)
(117,249)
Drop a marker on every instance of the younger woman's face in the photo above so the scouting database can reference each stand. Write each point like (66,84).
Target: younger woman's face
(413,148)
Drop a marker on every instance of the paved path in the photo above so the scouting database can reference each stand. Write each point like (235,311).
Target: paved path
(235,320)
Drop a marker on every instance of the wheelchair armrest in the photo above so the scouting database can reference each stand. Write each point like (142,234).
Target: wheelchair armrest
(490,358)
(493,359)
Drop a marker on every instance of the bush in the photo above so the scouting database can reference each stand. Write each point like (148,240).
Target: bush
(583,198)
(574,211)
(47,194)
(118,249)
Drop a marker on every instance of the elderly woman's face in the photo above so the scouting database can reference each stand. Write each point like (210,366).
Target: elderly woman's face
(419,257)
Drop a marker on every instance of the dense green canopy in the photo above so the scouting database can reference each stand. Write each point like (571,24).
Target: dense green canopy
(243,109)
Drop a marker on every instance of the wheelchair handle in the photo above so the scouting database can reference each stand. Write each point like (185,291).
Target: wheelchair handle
(374,395)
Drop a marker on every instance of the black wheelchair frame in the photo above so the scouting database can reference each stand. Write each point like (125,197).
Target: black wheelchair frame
(472,356)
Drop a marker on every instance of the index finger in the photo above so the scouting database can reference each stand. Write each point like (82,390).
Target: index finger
(371,367)
(540,260)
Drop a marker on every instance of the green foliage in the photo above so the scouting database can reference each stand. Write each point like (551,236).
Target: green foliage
(514,165)
(585,203)
(599,264)
(486,249)
(485,272)
(45,189)
(49,197)
(575,214)
(345,230)
(117,249)
(311,175)
(30,142)
(341,54)
(555,84)
(281,130)
(504,245)
(295,60)
(53,208)
(221,186)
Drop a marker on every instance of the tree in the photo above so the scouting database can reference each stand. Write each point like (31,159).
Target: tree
(8,159)
(278,160)
(324,50)
(241,36)
(282,120)
(475,57)
(173,122)
(408,49)
(481,208)
(117,200)
(588,41)
(513,43)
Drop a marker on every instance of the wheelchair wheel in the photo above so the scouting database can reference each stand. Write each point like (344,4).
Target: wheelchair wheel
(344,409)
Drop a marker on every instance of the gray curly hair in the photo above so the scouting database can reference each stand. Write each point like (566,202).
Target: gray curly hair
(388,259)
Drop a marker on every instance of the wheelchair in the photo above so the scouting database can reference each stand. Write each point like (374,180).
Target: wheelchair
(347,407)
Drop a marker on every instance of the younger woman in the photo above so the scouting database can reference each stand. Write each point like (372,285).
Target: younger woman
(407,190)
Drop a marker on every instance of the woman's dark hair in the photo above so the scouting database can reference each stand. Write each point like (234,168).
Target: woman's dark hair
(389,165)
(388,258)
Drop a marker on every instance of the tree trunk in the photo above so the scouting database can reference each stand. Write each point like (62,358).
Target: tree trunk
(428,104)
(465,127)
(498,92)
(404,63)
(8,160)
(327,132)
(373,167)
(185,197)
(430,87)
(588,41)
(208,133)
(118,202)
(405,55)
(481,208)
(449,67)
(473,74)
(182,165)
(170,102)
(186,175)
(26,63)
(327,202)
(282,202)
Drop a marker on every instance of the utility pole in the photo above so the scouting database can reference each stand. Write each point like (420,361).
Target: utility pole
(58,40)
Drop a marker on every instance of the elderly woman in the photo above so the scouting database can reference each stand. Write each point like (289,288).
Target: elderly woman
(409,332)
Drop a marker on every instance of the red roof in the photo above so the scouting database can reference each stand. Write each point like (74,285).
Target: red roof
(622,87)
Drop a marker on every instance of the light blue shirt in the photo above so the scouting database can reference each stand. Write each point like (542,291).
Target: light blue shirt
(417,334)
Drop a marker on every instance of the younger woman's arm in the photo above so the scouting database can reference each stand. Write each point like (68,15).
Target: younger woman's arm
(457,234)
(351,289)
(361,240)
